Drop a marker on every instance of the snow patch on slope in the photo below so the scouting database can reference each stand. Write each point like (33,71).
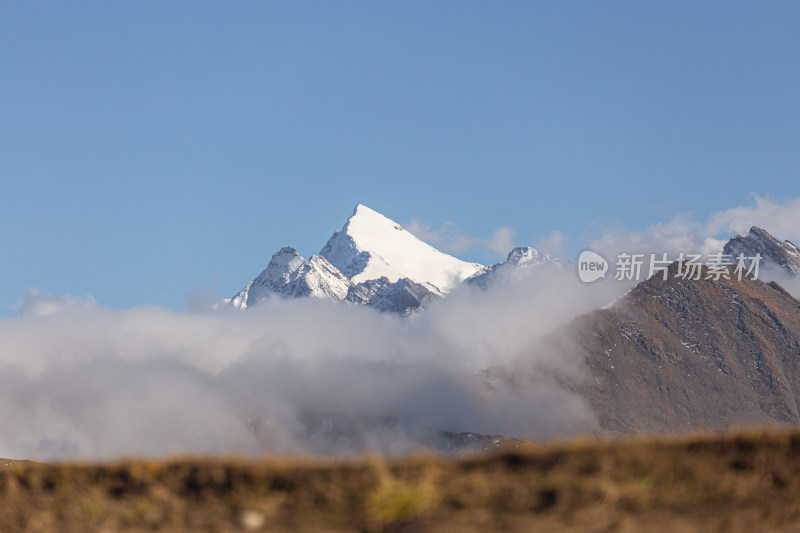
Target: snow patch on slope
(289,275)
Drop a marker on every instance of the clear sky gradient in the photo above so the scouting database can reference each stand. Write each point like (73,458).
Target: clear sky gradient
(151,148)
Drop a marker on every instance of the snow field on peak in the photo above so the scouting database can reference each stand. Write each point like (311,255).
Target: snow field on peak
(371,246)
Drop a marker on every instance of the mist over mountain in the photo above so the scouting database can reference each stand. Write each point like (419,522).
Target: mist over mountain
(287,376)
(383,343)
(521,256)
(669,356)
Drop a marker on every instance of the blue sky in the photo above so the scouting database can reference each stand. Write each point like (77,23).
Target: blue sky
(148,149)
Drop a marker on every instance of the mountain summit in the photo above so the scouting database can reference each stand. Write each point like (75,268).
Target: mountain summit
(371,246)
(784,255)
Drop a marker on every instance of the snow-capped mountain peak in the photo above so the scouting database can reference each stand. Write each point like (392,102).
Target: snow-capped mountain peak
(521,256)
(370,246)
(527,255)
(284,264)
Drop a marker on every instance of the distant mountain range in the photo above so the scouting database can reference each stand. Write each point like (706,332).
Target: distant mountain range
(669,356)
(374,261)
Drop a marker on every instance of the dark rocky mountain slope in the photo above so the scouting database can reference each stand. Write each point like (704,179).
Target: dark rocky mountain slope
(678,355)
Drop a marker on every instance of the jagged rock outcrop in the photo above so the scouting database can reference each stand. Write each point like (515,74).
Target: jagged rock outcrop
(403,296)
(289,275)
(784,256)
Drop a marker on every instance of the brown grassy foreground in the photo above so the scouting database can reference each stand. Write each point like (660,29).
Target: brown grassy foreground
(738,482)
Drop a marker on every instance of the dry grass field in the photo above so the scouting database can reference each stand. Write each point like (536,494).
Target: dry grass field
(745,481)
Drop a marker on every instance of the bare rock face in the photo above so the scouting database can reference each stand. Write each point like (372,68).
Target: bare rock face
(678,355)
(402,297)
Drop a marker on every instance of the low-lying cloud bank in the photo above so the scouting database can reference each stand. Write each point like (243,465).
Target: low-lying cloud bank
(79,380)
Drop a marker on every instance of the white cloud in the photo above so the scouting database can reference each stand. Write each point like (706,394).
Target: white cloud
(780,218)
(38,304)
(685,233)
(202,299)
(501,242)
(553,244)
(450,239)
(93,382)
(681,234)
